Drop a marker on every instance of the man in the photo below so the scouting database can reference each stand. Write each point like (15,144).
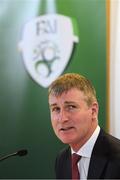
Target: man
(74,116)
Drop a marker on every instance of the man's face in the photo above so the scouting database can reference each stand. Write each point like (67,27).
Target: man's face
(72,120)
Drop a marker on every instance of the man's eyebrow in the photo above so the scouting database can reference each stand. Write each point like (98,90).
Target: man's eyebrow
(54,104)
(70,102)
(66,102)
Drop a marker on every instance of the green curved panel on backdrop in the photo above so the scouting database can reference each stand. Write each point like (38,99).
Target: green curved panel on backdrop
(24,113)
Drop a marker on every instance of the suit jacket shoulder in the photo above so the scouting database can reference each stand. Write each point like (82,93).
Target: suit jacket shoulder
(107,144)
(105,158)
(63,164)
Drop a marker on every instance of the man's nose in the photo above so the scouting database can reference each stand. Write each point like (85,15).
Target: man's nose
(63,116)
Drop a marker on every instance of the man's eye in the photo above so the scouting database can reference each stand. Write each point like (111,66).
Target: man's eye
(71,107)
(55,109)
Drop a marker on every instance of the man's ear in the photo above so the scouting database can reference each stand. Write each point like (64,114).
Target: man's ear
(95,109)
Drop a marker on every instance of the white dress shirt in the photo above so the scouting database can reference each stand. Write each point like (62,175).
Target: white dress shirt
(85,152)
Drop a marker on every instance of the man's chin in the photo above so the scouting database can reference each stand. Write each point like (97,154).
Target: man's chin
(66,141)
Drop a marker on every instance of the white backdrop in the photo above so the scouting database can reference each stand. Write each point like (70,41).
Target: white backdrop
(115,68)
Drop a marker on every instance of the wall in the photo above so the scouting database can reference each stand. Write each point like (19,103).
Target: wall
(114,68)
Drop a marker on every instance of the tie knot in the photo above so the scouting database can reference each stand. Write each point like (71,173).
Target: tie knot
(75,158)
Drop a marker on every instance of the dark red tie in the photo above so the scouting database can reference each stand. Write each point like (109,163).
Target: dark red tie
(75,171)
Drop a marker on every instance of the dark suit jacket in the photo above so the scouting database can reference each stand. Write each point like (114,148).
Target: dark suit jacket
(104,162)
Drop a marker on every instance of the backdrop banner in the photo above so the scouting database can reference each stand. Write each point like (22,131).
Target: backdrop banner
(39,41)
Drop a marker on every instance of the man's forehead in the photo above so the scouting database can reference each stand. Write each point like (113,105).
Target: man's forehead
(71,96)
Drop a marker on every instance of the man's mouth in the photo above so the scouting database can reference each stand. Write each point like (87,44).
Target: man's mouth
(66,128)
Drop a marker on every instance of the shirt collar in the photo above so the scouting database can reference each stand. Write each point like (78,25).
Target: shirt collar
(86,149)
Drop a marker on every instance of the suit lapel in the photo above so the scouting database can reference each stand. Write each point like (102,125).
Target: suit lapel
(97,167)
(68,165)
(99,159)
(65,167)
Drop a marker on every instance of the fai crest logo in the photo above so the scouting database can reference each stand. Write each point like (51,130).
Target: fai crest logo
(47,44)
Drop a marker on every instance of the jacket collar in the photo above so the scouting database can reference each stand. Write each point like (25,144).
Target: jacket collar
(99,157)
